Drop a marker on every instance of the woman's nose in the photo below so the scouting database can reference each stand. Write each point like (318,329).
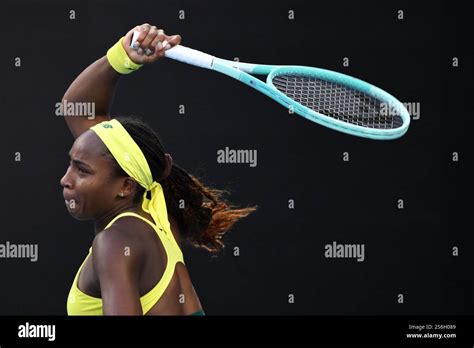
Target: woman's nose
(65,180)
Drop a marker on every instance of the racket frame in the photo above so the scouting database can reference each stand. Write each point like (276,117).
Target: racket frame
(242,72)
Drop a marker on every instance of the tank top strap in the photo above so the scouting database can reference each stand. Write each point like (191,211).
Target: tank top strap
(157,229)
(119,216)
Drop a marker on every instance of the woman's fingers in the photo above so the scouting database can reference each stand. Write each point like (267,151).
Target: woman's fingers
(132,53)
(127,40)
(143,30)
(163,42)
(168,42)
(146,43)
(157,43)
(150,44)
(174,40)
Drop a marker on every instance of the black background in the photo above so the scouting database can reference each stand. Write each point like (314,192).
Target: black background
(408,251)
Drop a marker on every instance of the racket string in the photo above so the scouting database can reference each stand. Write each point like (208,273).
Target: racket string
(337,101)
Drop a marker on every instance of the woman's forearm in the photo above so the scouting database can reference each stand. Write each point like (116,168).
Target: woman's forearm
(95,85)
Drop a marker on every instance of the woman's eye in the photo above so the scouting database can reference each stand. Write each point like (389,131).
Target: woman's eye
(81,170)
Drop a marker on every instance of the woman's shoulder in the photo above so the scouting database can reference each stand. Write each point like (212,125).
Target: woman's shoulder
(128,231)
(125,238)
(115,253)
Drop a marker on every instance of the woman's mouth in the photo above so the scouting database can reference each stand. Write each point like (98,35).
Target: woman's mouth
(71,204)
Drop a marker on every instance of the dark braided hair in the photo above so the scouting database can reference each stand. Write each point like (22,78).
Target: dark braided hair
(202,215)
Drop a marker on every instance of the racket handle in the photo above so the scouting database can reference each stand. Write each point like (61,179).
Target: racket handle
(190,56)
(184,54)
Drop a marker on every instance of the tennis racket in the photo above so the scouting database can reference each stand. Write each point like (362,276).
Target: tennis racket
(329,98)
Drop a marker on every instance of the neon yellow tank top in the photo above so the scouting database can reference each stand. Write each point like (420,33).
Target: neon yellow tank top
(79,303)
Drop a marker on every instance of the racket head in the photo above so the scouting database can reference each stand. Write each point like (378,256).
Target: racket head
(340,102)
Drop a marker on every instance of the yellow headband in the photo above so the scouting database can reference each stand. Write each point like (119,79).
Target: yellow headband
(130,157)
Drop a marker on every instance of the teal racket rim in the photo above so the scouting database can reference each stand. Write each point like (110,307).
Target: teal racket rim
(351,83)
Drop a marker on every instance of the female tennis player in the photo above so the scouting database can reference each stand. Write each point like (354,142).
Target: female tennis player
(143,206)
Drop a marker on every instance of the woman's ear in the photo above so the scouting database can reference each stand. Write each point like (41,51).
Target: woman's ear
(129,186)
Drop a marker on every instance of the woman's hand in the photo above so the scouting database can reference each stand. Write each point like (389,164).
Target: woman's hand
(150,45)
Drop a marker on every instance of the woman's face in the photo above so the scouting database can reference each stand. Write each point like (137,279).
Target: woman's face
(90,189)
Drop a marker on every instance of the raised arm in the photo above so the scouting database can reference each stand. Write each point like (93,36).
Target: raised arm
(96,84)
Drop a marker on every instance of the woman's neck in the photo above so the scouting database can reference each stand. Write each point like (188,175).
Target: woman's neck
(101,222)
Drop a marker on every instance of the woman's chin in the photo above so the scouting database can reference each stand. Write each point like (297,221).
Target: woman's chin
(75,212)
(78,216)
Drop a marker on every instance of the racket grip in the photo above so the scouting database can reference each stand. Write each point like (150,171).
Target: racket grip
(184,54)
